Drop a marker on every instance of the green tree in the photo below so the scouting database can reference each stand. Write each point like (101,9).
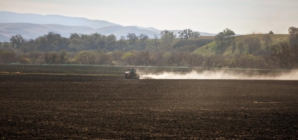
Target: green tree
(167,36)
(62,56)
(50,57)
(54,41)
(293,37)
(132,37)
(271,33)
(6,45)
(51,42)
(195,35)
(121,44)
(16,41)
(42,44)
(86,57)
(292,30)
(220,37)
(143,38)
(128,58)
(75,45)
(7,56)
(156,41)
(74,35)
(166,40)
(225,35)
(285,55)
(111,42)
(186,33)
(103,42)
(223,40)
(142,58)
(228,33)
(103,58)
(34,56)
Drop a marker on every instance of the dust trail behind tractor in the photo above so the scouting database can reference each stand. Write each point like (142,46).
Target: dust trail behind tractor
(225,74)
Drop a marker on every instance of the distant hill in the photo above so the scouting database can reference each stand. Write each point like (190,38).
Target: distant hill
(212,48)
(32,31)
(10,17)
(31,26)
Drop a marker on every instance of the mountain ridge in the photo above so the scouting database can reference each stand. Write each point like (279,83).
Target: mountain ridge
(11,17)
(31,26)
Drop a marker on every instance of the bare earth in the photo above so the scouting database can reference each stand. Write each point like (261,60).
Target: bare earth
(91,107)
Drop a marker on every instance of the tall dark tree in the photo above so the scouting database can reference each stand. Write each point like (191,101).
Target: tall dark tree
(121,44)
(94,41)
(27,46)
(271,33)
(74,35)
(132,37)
(220,37)
(186,33)
(54,39)
(155,41)
(62,56)
(16,41)
(285,55)
(228,33)
(111,42)
(167,36)
(292,30)
(293,38)
(50,42)
(143,38)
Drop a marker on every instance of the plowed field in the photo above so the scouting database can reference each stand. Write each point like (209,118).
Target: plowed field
(103,107)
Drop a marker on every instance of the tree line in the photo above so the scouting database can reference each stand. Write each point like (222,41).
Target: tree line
(78,42)
(281,55)
(168,50)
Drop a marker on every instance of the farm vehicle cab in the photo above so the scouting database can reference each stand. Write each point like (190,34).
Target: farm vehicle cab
(131,74)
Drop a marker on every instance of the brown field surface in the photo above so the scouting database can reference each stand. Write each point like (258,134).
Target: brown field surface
(109,107)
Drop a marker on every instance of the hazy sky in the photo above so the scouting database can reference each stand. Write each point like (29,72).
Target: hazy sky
(242,16)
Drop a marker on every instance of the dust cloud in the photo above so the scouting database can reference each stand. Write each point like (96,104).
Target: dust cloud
(223,74)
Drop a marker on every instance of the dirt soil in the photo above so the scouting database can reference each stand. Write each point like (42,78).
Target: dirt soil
(94,107)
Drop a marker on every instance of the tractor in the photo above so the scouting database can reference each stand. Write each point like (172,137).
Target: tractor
(131,74)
